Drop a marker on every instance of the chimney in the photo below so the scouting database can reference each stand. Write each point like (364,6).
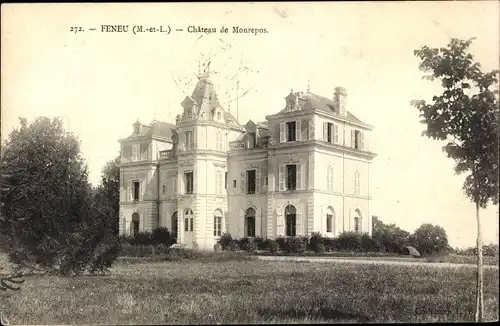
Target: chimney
(339,97)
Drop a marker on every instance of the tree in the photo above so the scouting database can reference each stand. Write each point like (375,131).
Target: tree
(466,116)
(430,238)
(48,214)
(389,235)
(108,192)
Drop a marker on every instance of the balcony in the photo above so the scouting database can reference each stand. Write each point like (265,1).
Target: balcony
(262,142)
(166,154)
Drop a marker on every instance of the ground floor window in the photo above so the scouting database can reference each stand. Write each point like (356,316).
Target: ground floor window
(217,223)
(135,224)
(188,220)
(250,223)
(174,226)
(291,221)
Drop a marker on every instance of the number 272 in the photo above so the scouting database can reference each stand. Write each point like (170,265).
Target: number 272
(75,29)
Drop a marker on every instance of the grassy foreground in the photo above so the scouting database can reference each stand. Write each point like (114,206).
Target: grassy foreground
(210,292)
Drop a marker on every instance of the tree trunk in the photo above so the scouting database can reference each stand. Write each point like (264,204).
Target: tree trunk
(479,299)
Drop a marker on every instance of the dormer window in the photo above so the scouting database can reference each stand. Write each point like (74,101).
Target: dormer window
(291,104)
(137,129)
(218,116)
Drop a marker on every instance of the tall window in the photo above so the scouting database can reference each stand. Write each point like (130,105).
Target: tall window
(136,186)
(218,116)
(329,178)
(291,221)
(220,142)
(357,183)
(329,220)
(225,180)
(174,226)
(189,140)
(219,186)
(163,189)
(217,223)
(357,139)
(136,148)
(188,181)
(291,130)
(291,177)
(329,134)
(251,139)
(135,224)
(188,220)
(356,224)
(251,182)
(250,222)
(174,185)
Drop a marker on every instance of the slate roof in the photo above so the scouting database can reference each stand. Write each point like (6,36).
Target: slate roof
(155,129)
(318,102)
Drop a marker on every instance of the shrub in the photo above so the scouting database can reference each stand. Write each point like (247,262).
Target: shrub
(430,239)
(331,244)
(319,248)
(161,235)
(260,243)
(282,243)
(368,244)
(143,238)
(225,241)
(217,247)
(234,245)
(296,244)
(315,239)
(248,244)
(271,245)
(349,241)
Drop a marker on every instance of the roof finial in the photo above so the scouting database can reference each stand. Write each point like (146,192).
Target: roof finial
(308,86)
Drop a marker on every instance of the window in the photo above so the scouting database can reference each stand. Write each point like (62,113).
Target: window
(250,223)
(188,220)
(291,221)
(356,224)
(291,130)
(330,132)
(329,178)
(163,189)
(218,182)
(135,224)
(137,129)
(225,180)
(136,190)
(189,140)
(188,181)
(251,140)
(357,183)
(357,139)
(218,116)
(219,141)
(251,182)
(136,152)
(217,223)
(266,180)
(174,226)
(329,219)
(291,177)
(234,183)
(174,184)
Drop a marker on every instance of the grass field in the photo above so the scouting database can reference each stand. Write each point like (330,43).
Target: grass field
(211,292)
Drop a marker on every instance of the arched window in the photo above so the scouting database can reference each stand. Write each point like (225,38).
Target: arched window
(188,220)
(174,225)
(250,222)
(291,220)
(218,116)
(330,220)
(135,224)
(357,221)
(217,223)
(329,178)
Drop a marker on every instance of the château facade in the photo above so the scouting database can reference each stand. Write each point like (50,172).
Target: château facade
(305,169)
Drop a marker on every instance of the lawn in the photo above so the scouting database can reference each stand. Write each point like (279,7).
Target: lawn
(210,292)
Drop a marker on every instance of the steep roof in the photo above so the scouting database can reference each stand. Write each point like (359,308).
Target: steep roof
(155,129)
(318,102)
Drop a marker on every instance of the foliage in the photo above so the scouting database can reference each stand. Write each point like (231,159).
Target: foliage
(162,235)
(349,241)
(248,244)
(225,240)
(370,244)
(259,242)
(331,244)
(430,239)
(271,245)
(108,192)
(48,209)
(319,248)
(315,240)
(466,115)
(390,236)
(490,250)
(217,247)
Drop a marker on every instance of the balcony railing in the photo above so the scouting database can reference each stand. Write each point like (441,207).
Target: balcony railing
(166,154)
(241,144)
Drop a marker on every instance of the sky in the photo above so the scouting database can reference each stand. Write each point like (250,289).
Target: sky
(100,83)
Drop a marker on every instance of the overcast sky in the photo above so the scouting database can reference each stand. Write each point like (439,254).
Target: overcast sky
(100,83)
